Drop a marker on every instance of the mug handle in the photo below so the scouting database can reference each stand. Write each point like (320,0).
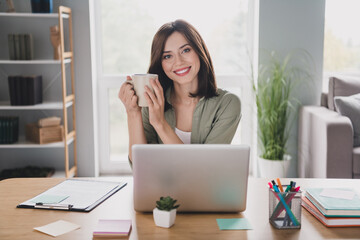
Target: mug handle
(129,81)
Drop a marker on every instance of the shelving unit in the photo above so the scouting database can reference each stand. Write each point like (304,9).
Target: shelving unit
(45,61)
(67,100)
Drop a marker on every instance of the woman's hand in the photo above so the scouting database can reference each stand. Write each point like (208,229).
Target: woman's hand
(128,97)
(156,104)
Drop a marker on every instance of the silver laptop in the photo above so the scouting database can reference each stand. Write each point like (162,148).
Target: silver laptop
(202,177)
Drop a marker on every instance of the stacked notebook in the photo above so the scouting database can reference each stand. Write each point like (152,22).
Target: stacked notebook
(114,229)
(334,207)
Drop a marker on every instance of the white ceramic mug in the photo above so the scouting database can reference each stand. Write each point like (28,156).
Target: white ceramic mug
(139,81)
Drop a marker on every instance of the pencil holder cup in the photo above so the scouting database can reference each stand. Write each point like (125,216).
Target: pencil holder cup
(285,209)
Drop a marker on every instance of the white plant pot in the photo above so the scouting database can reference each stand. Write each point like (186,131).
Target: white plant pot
(164,219)
(274,168)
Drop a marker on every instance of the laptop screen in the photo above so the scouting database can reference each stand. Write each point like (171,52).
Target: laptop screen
(202,177)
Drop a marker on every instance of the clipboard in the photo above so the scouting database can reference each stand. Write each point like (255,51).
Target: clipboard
(74,195)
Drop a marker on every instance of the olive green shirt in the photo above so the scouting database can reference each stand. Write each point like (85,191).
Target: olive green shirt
(215,119)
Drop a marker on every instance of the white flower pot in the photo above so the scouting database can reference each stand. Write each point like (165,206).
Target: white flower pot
(164,219)
(274,168)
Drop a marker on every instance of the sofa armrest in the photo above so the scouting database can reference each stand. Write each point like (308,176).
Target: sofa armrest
(325,144)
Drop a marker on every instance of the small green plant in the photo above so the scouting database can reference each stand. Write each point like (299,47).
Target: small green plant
(166,204)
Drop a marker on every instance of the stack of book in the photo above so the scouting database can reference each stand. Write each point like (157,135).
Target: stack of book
(25,90)
(9,130)
(21,47)
(334,207)
(46,130)
(114,229)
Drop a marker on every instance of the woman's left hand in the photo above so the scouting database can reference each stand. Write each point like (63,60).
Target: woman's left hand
(156,104)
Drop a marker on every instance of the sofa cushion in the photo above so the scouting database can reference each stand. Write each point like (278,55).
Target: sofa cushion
(350,107)
(342,87)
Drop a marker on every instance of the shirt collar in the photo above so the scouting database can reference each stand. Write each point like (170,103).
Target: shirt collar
(168,95)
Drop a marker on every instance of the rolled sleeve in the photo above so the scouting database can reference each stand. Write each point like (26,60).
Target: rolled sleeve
(226,121)
(150,133)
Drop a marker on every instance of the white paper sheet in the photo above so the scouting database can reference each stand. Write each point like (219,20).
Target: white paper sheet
(82,193)
(57,228)
(337,193)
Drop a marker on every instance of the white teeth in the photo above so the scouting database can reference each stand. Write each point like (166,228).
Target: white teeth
(182,71)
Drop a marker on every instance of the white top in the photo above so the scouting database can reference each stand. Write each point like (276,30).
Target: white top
(185,137)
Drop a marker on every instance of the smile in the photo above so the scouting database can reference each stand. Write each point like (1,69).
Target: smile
(182,71)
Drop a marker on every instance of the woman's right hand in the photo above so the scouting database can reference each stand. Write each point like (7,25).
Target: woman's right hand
(128,97)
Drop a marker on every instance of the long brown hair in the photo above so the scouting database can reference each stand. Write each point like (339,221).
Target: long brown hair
(206,77)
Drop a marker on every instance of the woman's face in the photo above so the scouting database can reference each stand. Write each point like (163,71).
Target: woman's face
(180,62)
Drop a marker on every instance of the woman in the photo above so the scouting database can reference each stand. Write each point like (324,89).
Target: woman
(186,106)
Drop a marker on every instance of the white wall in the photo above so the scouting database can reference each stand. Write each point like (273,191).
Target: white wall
(285,25)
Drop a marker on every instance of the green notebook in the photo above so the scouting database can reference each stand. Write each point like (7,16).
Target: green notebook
(344,202)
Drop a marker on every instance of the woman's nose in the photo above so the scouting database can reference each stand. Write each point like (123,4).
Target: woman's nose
(179,59)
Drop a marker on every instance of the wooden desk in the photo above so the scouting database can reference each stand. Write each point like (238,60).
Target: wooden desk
(18,223)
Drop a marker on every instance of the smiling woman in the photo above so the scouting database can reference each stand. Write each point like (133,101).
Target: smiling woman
(127,29)
(185,96)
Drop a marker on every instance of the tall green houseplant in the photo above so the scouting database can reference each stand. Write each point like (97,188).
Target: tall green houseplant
(274,101)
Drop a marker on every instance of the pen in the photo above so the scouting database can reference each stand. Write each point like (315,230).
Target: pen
(293,186)
(53,206)
(280,185)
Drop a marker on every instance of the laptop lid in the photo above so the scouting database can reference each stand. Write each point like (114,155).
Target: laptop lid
(202,177)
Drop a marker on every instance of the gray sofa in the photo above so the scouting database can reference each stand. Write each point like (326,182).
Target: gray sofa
(326,137)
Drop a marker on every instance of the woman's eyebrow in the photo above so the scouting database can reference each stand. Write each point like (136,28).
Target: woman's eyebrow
(184,45)
(179,47)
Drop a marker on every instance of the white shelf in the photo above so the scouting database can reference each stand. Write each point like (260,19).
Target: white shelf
(5,105)
(22,143)
(41,61)
(33,15)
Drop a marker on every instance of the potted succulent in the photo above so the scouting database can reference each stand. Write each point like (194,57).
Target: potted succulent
(275,106)
(165,212)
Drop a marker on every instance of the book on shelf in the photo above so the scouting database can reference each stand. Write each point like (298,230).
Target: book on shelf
(112,228)
(17,46)
(11,82)
(25,90)
(29,47)
(11,45)
(21,47)
(336,204)
(329,221)
(9,129)
(34,89)
(18,97)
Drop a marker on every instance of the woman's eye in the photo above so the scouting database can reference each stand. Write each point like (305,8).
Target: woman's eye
(166,56)
(186,50)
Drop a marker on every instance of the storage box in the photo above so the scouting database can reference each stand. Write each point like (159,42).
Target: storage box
(45,134)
